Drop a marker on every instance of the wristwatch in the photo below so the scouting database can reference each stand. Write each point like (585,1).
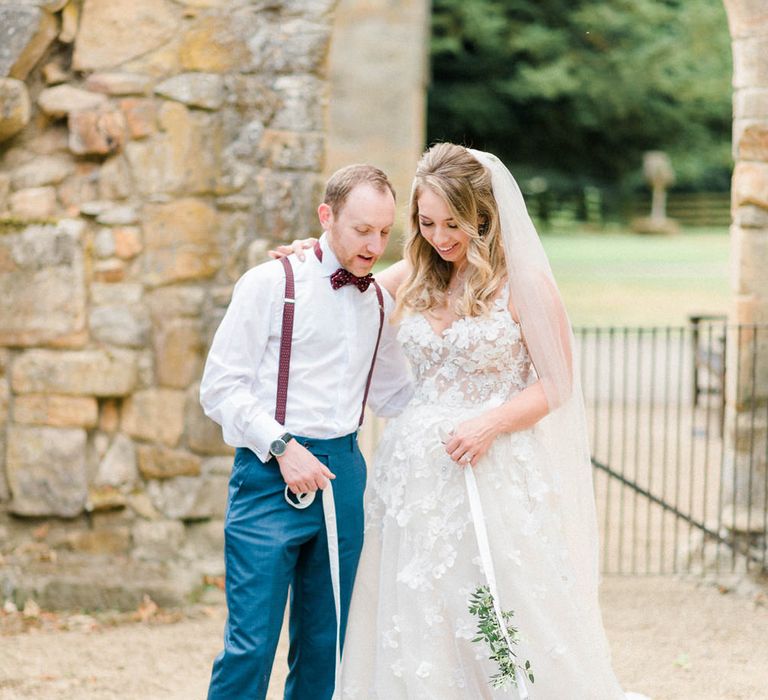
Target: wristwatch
(277,447)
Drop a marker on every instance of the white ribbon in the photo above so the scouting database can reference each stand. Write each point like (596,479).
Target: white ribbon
(332,535)
(304,500)
(481,533)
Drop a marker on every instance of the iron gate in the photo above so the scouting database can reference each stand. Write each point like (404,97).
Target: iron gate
(680,481)
(679,476)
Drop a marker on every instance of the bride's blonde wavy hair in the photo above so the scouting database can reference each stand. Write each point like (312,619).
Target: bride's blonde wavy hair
(452,173)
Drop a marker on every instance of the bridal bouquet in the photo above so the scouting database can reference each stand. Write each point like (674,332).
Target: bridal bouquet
(489,631)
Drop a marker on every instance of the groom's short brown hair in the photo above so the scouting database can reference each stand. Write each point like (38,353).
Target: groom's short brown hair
(344,180)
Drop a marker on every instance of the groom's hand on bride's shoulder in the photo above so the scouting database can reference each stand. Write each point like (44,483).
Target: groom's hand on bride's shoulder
(301,470)
(296,248)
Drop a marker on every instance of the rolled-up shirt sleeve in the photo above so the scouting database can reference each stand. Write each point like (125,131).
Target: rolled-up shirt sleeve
(227,387)
(392,383)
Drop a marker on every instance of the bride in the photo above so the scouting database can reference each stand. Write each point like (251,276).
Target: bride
(483,326)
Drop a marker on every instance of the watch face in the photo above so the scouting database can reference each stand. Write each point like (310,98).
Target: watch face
(277,447)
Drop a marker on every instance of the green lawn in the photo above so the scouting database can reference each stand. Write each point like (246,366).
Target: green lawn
(628,279)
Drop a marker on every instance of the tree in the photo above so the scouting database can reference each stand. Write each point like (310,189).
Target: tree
(583,87)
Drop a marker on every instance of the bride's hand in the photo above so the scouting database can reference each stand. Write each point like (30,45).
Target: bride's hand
(297,247)
(471,439)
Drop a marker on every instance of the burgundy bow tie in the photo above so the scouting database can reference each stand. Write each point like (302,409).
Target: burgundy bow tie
(342,277)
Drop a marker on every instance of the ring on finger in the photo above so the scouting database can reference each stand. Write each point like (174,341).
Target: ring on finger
(467,458)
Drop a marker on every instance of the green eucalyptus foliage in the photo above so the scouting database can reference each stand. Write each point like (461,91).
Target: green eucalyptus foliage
(489,631)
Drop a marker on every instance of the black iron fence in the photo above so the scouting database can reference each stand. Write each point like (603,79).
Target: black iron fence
(680,473)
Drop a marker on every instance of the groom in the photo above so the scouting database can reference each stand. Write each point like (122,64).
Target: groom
(287,377)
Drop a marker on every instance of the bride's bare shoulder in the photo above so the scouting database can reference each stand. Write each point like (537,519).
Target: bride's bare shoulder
(392,277)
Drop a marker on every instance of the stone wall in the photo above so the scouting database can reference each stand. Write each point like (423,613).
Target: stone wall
(150,151)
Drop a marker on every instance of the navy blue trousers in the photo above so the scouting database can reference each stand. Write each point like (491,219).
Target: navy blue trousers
(271,547)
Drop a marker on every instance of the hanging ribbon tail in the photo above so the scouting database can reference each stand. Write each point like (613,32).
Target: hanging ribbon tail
(478,519)
(332,535)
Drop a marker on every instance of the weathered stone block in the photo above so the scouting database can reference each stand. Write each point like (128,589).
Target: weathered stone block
(15,107)
(190,497)
(118,468)
(288,150)
(253,93)
(104,498)
(108,33)
(42,290)
(5,190)
(104,243)
(115,180)
(25,34)
(55,410)
(141,504)
(176,301)
(96,131)
(110,270)
(297,46)
(212,45)
(54,74)
(70,18)
(127,241)
(5,395)
(158,540)
(119,83)
(81,187)
(301,103)
(751,216)
(43,170)
(750,184)
(184,158)
(750,103)
(119,324)
(140,117)
(146,369)
(218,465)
(203,434)
(155,415)
(159,63)
(178,352)
(61,100)
(750,251)
(46,470)
(33,203)
(179,242)
(286,208)
(749,65)
(204,90)
(109,416)
(753,142)
(116,540)
(117,216)
(157,462)
(82,372)
(745,17)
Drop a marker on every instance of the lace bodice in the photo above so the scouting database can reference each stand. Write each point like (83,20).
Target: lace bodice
(475,360)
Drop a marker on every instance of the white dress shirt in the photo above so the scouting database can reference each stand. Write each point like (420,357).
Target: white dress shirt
(334,335)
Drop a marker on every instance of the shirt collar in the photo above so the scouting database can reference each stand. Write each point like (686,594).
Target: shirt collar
(330,263)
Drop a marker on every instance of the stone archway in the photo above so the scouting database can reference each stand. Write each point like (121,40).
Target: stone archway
(747,392)
(378,68)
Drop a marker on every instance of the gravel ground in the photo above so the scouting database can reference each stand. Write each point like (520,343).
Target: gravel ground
(671,639)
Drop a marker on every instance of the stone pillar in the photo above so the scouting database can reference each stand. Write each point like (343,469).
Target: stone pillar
(378,72)
(747,391)
(152,150)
